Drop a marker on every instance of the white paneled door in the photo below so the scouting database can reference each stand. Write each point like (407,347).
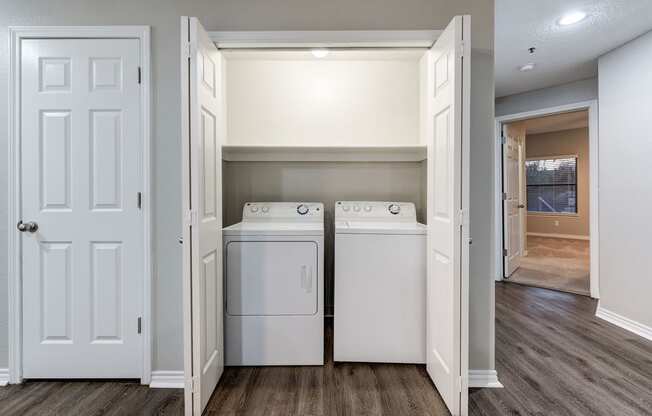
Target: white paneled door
(203,134)
(513,196)
(80,181)
(448,92)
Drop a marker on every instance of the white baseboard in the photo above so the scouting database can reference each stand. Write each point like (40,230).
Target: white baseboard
(566,236)
(484,379)
(166,380)
(625,323)
(4,376)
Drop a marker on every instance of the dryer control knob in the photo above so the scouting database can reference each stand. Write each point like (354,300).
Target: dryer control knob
(253,208)
(367,208)
(302,209)
(265,209)
(394,209)
(346,208)
(356,208)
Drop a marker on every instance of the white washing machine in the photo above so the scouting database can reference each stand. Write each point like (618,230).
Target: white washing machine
(274,286)
(380,283)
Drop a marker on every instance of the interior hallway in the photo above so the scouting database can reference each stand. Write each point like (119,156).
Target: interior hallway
(553,356)
(555,263)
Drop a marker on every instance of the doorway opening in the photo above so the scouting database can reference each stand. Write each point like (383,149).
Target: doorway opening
(548,199)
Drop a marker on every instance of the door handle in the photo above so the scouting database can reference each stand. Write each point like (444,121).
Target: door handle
(521,206)
(30,227)
(306,278)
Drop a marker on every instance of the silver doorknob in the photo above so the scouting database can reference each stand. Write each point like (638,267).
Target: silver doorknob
(30,227)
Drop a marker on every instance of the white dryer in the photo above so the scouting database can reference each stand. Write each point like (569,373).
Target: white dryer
(380,283)
(274,286)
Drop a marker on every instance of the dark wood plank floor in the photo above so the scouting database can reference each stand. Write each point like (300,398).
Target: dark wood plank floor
(553,356)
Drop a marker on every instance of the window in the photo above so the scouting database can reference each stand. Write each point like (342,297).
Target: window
(552,185)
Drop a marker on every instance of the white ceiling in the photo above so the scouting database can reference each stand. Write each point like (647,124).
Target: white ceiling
(557,122)
(563,54)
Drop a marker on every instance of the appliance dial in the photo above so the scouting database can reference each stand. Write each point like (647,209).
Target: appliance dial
(265,209)
(367,208)
(302,209)
(253,208)
(394,209)
(346,208)
(356,208)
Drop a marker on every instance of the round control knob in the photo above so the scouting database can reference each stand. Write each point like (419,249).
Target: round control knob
(346,208)
(394,209)
(356,208)
(302,209)
(367,208)
(253,208)
(265,209)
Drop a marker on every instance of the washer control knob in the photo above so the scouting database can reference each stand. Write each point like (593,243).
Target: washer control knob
(302,209)
(356,208)
(346,208)
(367,208)
(253,208)
(394,209)
(265,209)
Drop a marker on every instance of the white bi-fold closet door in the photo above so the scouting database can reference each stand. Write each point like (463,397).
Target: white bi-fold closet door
(81,177)
(446,84)
(447,136)
(202,123)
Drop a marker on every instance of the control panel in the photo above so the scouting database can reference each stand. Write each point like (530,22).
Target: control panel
(283,211)
(375,211)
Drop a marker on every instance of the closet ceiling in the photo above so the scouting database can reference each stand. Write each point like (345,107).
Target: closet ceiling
(563,53)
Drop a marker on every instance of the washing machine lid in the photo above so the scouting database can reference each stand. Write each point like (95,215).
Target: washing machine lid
(368,227)
(377,217)
(275,228)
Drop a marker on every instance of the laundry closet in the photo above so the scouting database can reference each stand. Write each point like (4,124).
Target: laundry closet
(326,117)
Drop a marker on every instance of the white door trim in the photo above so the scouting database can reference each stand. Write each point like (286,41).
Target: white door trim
(325,38)
(16,35)
(594,237)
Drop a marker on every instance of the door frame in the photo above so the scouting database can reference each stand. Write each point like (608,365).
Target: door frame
(594,237)
(16,35)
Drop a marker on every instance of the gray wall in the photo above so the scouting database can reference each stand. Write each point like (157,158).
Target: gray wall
(325,182)
(559,143)
(625,181)
(570,93)
(481,281)
(163,16)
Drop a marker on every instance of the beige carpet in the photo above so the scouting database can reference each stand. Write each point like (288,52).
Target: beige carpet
(555,263)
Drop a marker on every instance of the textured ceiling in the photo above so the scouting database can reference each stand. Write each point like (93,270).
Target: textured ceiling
(563,54)
(557,122)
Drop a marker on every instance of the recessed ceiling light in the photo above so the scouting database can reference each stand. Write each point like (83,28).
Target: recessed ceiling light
(571,18)
(320,53)
(527,67)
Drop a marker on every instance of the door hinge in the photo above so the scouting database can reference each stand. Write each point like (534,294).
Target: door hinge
(188,50)
(504,196)
(190,218)
(139,75)
(504,252)
(195,384)
(460,384)
(140,325)
(464,217)
(139,200)
(461,50)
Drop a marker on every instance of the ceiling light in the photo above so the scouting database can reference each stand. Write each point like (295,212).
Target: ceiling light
(527,67)
(320,53)
(571,18)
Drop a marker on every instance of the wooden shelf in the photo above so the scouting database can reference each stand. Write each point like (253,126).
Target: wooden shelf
(254,153)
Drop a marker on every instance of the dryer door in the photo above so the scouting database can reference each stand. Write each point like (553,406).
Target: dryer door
(267,278)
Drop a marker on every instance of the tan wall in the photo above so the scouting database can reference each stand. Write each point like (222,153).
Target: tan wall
(567,142)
